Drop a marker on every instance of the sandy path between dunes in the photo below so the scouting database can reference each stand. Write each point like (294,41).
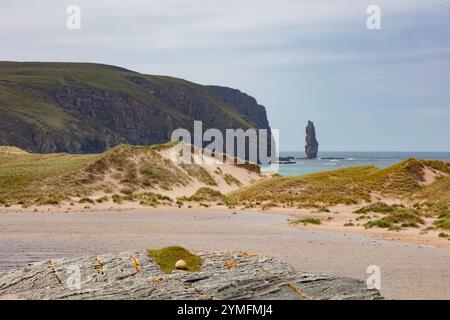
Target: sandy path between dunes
(408,270)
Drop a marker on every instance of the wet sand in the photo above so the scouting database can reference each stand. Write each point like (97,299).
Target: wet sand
(409,271)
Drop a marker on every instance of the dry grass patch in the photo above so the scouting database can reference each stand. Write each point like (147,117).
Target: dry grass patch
(201,174)
(443,221)
(204,194)
(379,207)
(400,218)
(230,180)
(306,221)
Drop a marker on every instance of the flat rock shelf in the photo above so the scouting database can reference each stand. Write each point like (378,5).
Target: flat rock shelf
(134,275)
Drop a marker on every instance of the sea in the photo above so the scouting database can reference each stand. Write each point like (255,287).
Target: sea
(342,159)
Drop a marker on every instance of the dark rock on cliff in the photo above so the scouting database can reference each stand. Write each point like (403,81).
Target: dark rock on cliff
(90,108)
(134,275)
(248,107)
(312,146)
(242,103)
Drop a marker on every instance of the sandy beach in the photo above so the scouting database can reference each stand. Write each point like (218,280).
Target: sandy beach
(408,271)
(342,219)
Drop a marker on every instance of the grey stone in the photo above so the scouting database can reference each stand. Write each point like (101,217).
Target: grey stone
(312,146)
(224,275)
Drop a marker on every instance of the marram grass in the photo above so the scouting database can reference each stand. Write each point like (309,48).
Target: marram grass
(349,186)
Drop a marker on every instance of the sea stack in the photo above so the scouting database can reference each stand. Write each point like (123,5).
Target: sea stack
(312,146)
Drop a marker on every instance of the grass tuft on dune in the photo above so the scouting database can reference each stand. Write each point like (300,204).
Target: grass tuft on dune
(400,218)
(204,194)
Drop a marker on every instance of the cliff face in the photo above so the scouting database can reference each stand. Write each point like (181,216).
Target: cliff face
(242,103)
(84,108)
(312,146)
(248,107)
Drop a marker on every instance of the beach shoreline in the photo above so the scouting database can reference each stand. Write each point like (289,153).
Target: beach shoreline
(340,215)
(409,271)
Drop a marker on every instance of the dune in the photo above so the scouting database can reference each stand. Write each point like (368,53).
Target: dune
(138,175)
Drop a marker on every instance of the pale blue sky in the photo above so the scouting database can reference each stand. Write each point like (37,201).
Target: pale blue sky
(387,89)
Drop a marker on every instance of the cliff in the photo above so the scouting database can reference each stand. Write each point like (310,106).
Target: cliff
(242,103)
(90,108)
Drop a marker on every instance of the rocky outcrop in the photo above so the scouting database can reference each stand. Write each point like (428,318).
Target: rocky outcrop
(312,146)
(134,275)
(90,108)
(249,108)
(242,103)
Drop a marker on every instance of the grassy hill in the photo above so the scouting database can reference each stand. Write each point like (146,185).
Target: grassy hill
(437,194)
(418,190)
(90,108)
(125,173)
(350,185)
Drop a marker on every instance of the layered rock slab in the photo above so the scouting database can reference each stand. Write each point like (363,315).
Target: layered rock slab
(134,275)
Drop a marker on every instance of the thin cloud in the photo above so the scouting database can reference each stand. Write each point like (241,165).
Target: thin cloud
(434,112)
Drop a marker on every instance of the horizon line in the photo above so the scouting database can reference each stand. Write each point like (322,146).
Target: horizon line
(405,151)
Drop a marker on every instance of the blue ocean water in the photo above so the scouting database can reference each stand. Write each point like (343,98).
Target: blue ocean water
(351,159)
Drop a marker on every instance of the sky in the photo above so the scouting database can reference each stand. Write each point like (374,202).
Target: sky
(366,90)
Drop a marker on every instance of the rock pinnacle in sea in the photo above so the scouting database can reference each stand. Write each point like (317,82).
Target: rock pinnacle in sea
(312,146)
